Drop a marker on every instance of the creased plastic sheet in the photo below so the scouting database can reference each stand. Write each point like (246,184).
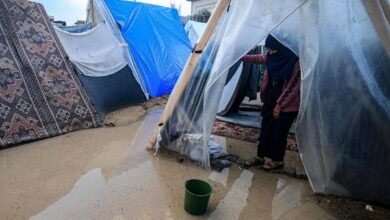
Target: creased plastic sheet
(157,42)
(344,120)
(194,30)
(95,52)
(198,106)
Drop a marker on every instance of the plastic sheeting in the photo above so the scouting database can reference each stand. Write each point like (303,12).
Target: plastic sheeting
(157,42)
(194,30)
(198,106)
(97,12)
(95,52)
(344,120)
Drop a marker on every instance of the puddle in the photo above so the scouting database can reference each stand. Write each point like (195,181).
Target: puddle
(107,174)
(220,177)
(231,206)
(93,197)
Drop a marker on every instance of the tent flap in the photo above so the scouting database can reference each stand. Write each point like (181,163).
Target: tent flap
(97,12)
(95,52)
(194,30)
(157,42)
(344,119)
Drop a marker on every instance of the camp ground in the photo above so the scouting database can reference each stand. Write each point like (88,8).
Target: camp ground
(150,109)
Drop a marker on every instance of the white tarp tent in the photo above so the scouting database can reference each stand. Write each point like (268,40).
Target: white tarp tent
(95,52)
(344,120)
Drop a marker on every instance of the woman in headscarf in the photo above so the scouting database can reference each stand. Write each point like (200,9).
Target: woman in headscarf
(280,93)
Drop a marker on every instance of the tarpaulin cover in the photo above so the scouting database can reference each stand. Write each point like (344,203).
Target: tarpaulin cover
(97,12)
(95,52)
(194,30)
(40,96)
(344,120)
(113,92)
(157,42)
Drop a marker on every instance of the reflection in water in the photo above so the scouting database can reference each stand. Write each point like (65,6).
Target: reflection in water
(235,200)
(286,198)
(289,202)
(94,198)
(107,174)
(220,177)
(140,141)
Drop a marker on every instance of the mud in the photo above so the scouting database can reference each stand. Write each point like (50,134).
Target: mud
(106,173)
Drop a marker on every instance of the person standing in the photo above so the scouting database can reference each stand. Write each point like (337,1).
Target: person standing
(280,93)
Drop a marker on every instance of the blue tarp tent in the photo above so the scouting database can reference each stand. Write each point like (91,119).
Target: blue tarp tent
(157,42)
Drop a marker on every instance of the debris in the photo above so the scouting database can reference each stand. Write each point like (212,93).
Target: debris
(110,124)
(290,171)
(300,174)
(219,165)
(369,208)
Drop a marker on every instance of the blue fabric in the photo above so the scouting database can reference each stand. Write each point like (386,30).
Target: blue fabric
(113,92)
(157,41)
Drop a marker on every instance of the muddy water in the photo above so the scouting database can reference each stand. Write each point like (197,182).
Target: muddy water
(107,174)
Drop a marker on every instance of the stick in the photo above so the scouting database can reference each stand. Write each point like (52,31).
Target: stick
(189,68)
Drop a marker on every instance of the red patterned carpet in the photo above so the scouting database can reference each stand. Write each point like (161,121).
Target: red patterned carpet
(40,95)
(246,133)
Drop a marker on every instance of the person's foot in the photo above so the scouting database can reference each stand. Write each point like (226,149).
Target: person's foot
(273,165)
(254,161)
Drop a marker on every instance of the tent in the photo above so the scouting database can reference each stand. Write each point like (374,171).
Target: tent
(40,95)
(344,119)
(102,68)
(155,36)
(95,52)
(242,82)
(194,30)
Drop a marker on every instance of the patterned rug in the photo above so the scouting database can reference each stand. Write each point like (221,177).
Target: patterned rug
(248,134)
(40,96)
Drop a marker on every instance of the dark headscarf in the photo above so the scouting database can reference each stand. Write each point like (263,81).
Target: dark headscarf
(280,64)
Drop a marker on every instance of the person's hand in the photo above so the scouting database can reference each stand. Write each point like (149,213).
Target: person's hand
(275,114)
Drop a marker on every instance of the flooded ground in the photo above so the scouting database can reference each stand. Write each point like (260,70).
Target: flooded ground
(106,173)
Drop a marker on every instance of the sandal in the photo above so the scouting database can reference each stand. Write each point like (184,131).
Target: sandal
(273,165)
(253,161)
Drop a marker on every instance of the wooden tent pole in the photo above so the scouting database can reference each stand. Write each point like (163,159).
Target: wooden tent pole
(190,66)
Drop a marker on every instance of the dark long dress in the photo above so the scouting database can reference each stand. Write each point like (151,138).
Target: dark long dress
(273,135)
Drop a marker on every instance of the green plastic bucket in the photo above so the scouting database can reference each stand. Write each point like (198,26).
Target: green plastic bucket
(197,196)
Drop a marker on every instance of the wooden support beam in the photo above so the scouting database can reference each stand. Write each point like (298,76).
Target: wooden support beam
(190,66)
